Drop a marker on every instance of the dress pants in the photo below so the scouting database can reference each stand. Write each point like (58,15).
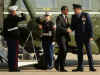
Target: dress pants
(80,53)
(63,48)
(12,54)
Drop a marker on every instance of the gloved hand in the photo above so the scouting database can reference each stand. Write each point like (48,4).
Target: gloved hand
(22,14)
(53,43)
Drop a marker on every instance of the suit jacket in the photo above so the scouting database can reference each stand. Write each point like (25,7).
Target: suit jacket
(82,26)
(61,27)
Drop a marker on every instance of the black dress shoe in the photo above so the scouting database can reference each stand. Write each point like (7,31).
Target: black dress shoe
(92,69)
(56,66)
(18,70)
(78,69)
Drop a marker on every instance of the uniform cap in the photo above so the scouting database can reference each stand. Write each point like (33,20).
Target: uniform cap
(76,6)
(12,8)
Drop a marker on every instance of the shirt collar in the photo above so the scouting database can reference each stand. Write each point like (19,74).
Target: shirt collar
(79,14)
(64,16)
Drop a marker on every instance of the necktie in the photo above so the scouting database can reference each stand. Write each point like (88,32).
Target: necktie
(66,19)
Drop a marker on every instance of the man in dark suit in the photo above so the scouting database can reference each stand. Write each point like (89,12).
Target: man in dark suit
(82,25)
(62,38)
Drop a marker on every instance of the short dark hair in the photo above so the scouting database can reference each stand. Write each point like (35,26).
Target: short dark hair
(46,15)
(63,8)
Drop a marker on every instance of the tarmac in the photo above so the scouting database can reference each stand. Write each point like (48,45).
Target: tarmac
(71,61)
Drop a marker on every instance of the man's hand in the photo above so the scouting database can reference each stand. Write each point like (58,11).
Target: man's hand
(69,30)
(40,27)
(54,27)
(53,43)
(91,39)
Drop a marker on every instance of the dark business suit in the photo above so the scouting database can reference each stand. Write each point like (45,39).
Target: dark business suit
(62,38)
(82,26)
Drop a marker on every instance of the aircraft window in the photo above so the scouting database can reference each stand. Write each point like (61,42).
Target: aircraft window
(86,4)
(45,3)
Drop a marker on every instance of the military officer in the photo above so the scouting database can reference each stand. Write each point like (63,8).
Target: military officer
(82,25)
(62,38)
(48,28)
(11,35)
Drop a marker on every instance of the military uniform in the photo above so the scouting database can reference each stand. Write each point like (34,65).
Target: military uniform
(11,35)
(47,39)
(83,28)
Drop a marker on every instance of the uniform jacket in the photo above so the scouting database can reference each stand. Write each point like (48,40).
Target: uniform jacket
(82,26)
(11,22)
